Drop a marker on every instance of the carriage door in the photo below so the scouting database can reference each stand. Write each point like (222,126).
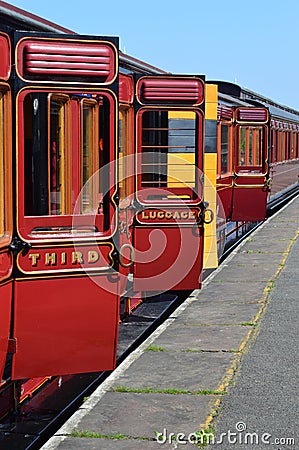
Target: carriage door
(251,174)
(168,237)
(126,178)
(66,300)
(5,200)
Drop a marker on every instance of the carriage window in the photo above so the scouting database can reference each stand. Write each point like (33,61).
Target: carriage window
(45,135)
(58,179)
(224,148)
(124,166)
(169,145)
(250,145)
(90,148)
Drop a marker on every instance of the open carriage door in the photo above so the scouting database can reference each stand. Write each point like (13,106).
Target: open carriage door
(168,236)
(66,301)
(251,174)
(126,163)
(5,199)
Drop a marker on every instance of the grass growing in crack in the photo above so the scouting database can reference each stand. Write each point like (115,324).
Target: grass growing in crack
(155,348)
(93,435)
(169,391)
(249,324)
(270,286)
(205,437)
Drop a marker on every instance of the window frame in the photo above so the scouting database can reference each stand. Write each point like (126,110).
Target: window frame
(61,227)
(6,202)
(230,127)
(250,163)
(179,194)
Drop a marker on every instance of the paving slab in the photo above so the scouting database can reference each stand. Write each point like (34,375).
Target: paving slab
(110,444)
(249,272)
(142,415)
(166,443)
(203,337)
(190,371)
(228,291)
(218,313)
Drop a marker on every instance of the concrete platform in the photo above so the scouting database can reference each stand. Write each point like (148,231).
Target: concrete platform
(213,364)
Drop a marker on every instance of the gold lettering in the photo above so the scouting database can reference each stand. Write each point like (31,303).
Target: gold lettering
(63,258)
(192,214)
(176,215)
(161,215)
(168,215)
(77,257)
(50,259)
(153,214)
(93,256)
(184,214)
(34,257)
(143,215)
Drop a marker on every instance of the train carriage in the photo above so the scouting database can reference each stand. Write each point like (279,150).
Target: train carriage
(65,106)
(108,176)
(258,151)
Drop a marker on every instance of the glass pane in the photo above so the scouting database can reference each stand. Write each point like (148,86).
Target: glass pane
(90,157)
(242,146)
(45,154)
(250,146)
(224,149)
(57,157)
(168,149)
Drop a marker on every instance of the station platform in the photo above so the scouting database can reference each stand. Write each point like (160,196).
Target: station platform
(224,362)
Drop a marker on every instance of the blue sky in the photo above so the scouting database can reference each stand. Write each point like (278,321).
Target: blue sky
(253,43)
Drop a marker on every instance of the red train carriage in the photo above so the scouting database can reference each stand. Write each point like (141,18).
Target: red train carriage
(6,216)
(258,152)
(242,147)
(284,153)
(60,305)
(168,232)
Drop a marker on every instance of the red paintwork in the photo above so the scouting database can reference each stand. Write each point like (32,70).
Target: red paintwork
(64,326)
(30,386)
(61,259)
(249,203)
(225,193)
(126,89)
(225,112)
(167,258)
(5,308)
(5,264)
(284,175)
(171,90)
(4,57)
(62,59)
(258,115)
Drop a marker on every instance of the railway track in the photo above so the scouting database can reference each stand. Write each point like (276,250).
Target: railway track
(37,419)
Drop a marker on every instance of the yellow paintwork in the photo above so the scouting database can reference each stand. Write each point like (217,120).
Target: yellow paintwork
(211,102)
(210,237)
